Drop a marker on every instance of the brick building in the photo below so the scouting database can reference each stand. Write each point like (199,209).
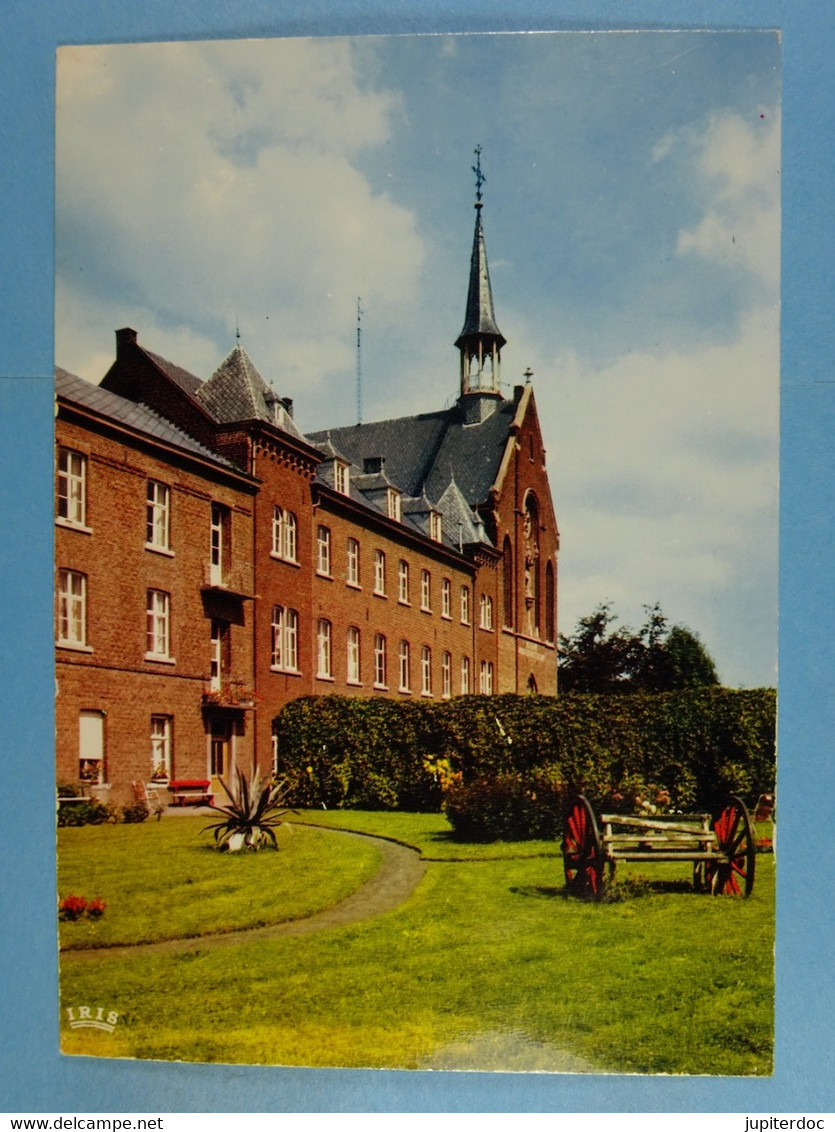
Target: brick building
(213,563)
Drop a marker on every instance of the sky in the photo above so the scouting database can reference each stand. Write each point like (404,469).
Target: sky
(631,214)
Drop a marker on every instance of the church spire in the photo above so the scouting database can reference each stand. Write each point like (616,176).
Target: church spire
(480,342)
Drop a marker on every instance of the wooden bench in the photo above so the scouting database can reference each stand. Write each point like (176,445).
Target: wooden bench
(190,791)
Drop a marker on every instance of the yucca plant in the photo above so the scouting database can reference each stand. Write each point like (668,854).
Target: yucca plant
(255,809)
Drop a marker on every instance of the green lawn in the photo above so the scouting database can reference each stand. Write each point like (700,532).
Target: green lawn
(487,954)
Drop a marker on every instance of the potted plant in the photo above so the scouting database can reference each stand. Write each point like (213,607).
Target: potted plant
(255,809)
(160,773)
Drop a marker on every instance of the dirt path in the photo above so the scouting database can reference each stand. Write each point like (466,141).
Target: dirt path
(399,873)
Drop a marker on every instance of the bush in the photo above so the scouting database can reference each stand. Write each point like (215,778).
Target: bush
(506,808)
(135,813)
(92,812)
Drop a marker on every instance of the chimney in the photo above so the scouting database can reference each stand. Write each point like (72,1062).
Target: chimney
(287,402)
(124,338)
(372,465)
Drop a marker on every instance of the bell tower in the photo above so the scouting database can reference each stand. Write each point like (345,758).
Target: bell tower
(480,341)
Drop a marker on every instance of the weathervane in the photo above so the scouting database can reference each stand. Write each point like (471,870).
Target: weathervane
(479,176)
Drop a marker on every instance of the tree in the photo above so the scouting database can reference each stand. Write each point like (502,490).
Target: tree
(600,658)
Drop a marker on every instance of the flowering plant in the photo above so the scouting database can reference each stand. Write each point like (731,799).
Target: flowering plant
(77,907)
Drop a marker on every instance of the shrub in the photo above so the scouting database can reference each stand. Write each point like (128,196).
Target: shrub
(92,812)
(135,813)
(506,807)
(79,907)
(252,814)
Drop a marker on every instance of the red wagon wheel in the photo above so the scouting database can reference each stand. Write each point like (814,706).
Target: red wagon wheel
(733,876)
(582,851)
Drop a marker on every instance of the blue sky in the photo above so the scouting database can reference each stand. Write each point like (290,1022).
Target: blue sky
(632,225)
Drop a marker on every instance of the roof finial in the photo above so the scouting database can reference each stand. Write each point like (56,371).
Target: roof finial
(237,332)
(479,176)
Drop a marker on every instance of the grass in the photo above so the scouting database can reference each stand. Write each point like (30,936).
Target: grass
(487,956)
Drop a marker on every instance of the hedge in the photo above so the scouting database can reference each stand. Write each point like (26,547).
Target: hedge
(383,754)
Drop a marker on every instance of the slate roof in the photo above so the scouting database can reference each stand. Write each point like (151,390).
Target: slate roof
(186,381)
(480,318)
(130,413)
(236,391)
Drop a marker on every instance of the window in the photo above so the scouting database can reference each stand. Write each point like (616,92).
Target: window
(284,534)
(158,622)
(323,551)
(435,528)
(353,574)
(426,671)
(285,639)
(403,582)
(465,605)
(158,516)
(404,657)
(426,591)
(353,655)
(341,478)
(393,504)
(91,747)
(380,663)
(486,678)
(550,603)
(507,583)
(486,612)
(72,608)
(465,675)
(446,598)
(323,650)
(161,765)
(446,675)
(220,656)
(379,573)
(72,487)
(218,548)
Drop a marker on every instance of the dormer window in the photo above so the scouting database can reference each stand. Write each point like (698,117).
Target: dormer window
(435,526)
(393,500)
(341,477)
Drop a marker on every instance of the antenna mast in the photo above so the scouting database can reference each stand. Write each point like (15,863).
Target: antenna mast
(359,361)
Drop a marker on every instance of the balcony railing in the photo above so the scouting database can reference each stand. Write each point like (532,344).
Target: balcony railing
(236,694)
(236,580)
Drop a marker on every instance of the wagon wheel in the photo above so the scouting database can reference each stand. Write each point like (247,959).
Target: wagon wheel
(733,876)
(582,852)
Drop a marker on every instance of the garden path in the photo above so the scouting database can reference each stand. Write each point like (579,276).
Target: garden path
(400,871)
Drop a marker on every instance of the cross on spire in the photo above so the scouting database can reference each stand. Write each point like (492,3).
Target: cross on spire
(479,176)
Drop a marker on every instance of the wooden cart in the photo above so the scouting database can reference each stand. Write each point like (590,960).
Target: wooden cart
(720,848)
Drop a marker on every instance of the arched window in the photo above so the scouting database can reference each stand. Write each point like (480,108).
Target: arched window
(550,603)
(532,570)
(507,580)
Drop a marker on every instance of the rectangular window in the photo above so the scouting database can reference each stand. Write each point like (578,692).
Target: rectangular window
(435,528)
(323,649)
(486,614)
(285,639)
(91,747)
(486,678)
(72,608)
(446,598)
(323,551)
(465,675)
(446,675)
(158,516)
(426,671)
(426,591)
(393,504)
(158,622)
(380,664)
(218,548)
(404,658)
(465,605)
(403,582)
(353,655)
(379,573)
(72,487)
(341,479)
(284,534)
(161,746)
(352,576)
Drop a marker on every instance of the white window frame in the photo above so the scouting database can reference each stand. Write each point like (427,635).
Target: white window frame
(393,504)
(217,550)
(353,641)
(352,574)
(324,649)
(465,675)
(426,591)
(284,630)
(404,660)
(465,605)
(380,573)
(323,551)
(446,675)
(426,671)
(158,625)
(72,488)
(446,599)
(403,582)
(486,678)
(435,526)
(91,745)
(284,534)
(380,661)
(216,658)
(485,612)
(341,478)
(158,516)
(72,609)
(162,727)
